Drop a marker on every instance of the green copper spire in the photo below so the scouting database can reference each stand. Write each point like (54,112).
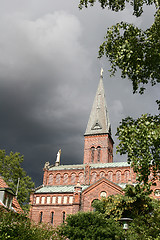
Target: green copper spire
(99,120)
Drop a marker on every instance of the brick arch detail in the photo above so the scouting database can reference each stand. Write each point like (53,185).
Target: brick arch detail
(50,179)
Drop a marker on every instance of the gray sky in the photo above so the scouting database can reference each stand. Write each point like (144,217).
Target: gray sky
(49,73)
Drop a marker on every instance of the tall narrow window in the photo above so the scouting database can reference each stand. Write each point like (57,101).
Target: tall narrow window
(127,176)
(93,177)
(52,216)
(63,216)
(118,176)
(98,154)
(110,176)
(50,179)
(41,217)
(65,178)
(73,178)
(58,178)
(92,154)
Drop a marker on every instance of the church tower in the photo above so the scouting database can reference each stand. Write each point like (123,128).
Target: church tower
(98,143)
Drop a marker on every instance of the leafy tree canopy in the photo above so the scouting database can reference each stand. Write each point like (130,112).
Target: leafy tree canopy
(120,5)
(140,140)
(90,226)
(19,227)
(134,51)
(135,202)
(11,171)
(146,226)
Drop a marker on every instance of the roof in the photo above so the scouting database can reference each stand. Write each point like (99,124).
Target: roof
(15,205)
(67,167)
(3,184)
(93,165)
(99,119)
(67,188)
(58,189)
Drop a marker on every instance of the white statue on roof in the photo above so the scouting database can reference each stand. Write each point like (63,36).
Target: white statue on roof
(101,72)
(58,158)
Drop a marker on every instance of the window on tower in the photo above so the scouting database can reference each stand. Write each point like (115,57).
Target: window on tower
(92,154)
(98,153)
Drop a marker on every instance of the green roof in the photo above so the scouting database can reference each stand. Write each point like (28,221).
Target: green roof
(109,165)
(67,167)
(58,189)
(93,165)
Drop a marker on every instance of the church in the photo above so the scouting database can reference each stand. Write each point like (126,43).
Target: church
(68,189)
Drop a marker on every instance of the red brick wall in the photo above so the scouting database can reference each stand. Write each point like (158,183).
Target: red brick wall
(48,208)
(104,142)
(95,193)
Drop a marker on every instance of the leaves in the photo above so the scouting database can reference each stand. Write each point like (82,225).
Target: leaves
(11,171)
(135,52)
(19,227)
(140,140)
(119,5)
(89,226)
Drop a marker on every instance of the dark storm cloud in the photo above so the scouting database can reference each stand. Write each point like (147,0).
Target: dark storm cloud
(49,73)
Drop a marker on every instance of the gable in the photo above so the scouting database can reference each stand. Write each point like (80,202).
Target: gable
(102,187)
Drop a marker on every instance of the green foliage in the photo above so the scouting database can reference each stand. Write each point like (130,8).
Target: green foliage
(135,52)
(18,227)
(146,226)
(90,226)
(119,5)
(11,170)
(135,202)
(140,140)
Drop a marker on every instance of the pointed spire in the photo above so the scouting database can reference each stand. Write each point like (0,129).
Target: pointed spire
(99,120)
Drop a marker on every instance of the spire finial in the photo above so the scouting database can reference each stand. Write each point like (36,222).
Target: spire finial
(101,72)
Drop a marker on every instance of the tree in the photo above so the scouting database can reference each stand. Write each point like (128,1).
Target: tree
(19,227)
(134,51)
(90,226)
(134,203)
(146,226)
(140,139)
(11,171)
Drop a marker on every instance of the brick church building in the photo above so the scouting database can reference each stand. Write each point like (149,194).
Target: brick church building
(68,189)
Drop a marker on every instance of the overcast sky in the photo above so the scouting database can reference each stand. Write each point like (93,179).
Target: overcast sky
(49,73)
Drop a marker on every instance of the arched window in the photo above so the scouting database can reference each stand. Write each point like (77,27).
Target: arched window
(52,216)
(127,176)
(92,154)
(81,178)
(63,216)
(50,179)
(110,176)
(41,217)
(65,178)
(73,178)
(98,154)
(93,177)
(58,178)
(92,207)
(118,176)
(102,174)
